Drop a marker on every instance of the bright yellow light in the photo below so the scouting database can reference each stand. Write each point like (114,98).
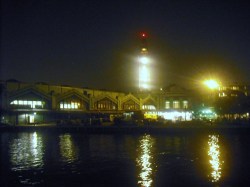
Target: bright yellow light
(150,115)
(145,161)
(215,161)
(212,84)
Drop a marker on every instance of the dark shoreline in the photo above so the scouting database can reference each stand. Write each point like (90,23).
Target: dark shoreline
(130,129)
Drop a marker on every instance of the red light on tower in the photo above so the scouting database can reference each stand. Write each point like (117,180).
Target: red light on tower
(144,46)
(143,35)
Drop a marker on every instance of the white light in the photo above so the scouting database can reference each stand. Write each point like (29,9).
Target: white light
(144,60)
(145,86)
(176,115)
(144,74)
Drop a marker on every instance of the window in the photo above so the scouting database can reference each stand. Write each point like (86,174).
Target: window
(235,88)
(105,104)
(130,105)
(69,105)
(167,104)
(185,104)
(176,104)
(148,107)
(27,104)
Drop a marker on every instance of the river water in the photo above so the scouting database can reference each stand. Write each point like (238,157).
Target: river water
(76,159)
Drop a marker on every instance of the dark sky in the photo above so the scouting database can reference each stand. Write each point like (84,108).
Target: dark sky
(90,43)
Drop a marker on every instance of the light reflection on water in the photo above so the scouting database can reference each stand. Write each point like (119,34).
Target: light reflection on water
(145,161)
(68,149)
(133,160)
(215,158)
(26,152)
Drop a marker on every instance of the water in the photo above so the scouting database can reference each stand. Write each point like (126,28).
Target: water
(75,159)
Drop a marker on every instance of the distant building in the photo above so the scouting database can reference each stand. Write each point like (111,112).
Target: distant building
(234,101)
(28,103)
(234,90)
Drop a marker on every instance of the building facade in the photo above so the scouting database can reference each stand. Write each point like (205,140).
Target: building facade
(29,103)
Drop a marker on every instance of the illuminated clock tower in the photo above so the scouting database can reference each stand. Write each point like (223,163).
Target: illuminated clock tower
(144,64)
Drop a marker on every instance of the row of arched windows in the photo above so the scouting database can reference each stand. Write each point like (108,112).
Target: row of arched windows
(77,104)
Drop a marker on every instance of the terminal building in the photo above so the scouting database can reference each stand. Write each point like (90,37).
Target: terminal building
(29,103)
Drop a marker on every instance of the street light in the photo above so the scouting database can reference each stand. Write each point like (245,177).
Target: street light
(212,84)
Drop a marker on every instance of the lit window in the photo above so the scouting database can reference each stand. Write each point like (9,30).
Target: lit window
(148,107)
(74,105)
(185,104)
(105,104)
(30,104)
(176,104)
(34,104)
(167,104)
(69,105)
(14,102)
(235,88)
(65,106)
(223,94)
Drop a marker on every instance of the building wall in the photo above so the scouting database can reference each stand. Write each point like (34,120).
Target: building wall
(74,101)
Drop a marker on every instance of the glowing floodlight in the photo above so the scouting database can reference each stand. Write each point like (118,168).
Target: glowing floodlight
(144,60)
(212,84)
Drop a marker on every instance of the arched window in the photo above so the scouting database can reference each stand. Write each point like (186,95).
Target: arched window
(72,103)
(130,105)
(105,104)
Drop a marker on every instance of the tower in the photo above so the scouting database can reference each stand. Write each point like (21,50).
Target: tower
(144,64)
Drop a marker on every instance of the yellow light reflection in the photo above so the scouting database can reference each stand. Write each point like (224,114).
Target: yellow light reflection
(215,161)
(144,161)
(26,152)
(67,148)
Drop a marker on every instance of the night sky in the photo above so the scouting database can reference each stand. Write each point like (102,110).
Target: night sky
(95,44)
